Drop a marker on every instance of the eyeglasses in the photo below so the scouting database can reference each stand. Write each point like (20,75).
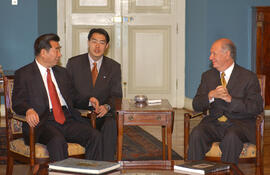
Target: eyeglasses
(94,41)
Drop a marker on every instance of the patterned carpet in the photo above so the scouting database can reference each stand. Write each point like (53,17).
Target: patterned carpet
(137,145)
(140,145)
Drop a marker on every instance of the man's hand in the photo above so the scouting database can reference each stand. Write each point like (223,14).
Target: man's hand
(102,110)
(32,117)
(95,103)
(220,92)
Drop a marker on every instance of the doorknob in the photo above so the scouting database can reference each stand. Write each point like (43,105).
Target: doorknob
(122,19)
(127,18)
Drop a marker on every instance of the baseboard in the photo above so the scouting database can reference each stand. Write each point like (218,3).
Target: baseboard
(267,112)
(188,103)
(2,110)
(2,115)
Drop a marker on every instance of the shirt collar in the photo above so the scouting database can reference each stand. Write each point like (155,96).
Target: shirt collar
(42,69)
(92,61)
(228,71)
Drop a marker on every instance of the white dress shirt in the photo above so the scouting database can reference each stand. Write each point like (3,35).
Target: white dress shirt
(227,76)
(43,72)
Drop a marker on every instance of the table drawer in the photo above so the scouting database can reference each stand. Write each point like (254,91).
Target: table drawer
(145,119)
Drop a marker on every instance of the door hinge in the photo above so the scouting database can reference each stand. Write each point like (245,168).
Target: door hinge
(176,83)
(177,28)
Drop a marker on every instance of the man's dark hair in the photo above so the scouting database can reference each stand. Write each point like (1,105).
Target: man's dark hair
(100,31)
(43,42)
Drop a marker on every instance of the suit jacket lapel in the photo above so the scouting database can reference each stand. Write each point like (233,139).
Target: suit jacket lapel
(233,78)
(103,72)
(37,79)
(87,70)
(216,79)
(61,84)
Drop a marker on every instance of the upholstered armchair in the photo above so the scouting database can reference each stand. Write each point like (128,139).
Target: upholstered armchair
(36,155)
(250,152)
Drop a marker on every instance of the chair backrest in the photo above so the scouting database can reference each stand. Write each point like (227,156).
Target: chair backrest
(262,79)
(14,127)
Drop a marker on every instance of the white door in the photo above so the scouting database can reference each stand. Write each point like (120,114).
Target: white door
(147,39)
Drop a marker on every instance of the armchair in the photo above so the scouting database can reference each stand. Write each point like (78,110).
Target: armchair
(250,152)
(35,154)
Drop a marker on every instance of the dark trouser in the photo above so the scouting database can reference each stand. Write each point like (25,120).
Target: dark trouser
(56,136)
(231,136)
(108,128)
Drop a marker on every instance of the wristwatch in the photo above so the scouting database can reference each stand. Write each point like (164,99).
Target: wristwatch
(108,107)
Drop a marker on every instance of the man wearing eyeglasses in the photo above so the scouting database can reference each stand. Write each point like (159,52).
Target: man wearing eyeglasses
(95,75)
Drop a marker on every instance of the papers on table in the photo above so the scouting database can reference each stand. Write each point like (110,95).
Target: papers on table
(154,102)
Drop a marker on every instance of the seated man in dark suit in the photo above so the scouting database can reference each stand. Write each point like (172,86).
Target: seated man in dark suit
(95,75)
(44,93)
(232,95)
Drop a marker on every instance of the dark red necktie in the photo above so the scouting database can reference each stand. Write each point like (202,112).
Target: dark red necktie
(56,106)
(94,73)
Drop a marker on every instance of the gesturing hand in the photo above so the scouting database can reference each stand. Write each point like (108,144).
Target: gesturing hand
(101,111)
(220,92)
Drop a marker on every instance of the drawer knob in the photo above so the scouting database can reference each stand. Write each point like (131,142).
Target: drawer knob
(130,117)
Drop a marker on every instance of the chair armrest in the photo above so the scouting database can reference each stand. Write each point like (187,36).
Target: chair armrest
(84,112)
(21,118)
(187,117)
(89,114)
(192,115)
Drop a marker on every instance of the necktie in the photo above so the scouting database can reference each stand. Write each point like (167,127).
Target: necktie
(56,106)
(222,79)
(223,118)
(94,73)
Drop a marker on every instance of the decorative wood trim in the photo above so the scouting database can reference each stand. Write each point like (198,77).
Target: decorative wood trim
(134,8)
(76,8)
(165,31)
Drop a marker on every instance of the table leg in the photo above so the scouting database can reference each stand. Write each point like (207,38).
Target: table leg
(163,143)
(120,138)
(169,141)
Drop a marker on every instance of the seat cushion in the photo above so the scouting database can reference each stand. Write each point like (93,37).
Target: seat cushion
(249,150)
(19,147)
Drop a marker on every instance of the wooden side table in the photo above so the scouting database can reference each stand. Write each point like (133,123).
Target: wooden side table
(130,113)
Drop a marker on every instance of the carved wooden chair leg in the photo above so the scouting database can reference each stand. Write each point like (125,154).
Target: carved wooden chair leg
(35,169)
(9,168)
(43,170)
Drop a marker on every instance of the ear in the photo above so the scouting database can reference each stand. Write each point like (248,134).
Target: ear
(107,45)
(228,54)
(43,52)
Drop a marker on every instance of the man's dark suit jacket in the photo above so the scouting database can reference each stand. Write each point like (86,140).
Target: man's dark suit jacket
(30,92)
(244,88)
(108,83)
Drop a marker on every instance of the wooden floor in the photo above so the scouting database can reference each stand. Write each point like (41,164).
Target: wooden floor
(178,140)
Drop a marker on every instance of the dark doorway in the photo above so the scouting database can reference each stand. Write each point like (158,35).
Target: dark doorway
(263,48)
